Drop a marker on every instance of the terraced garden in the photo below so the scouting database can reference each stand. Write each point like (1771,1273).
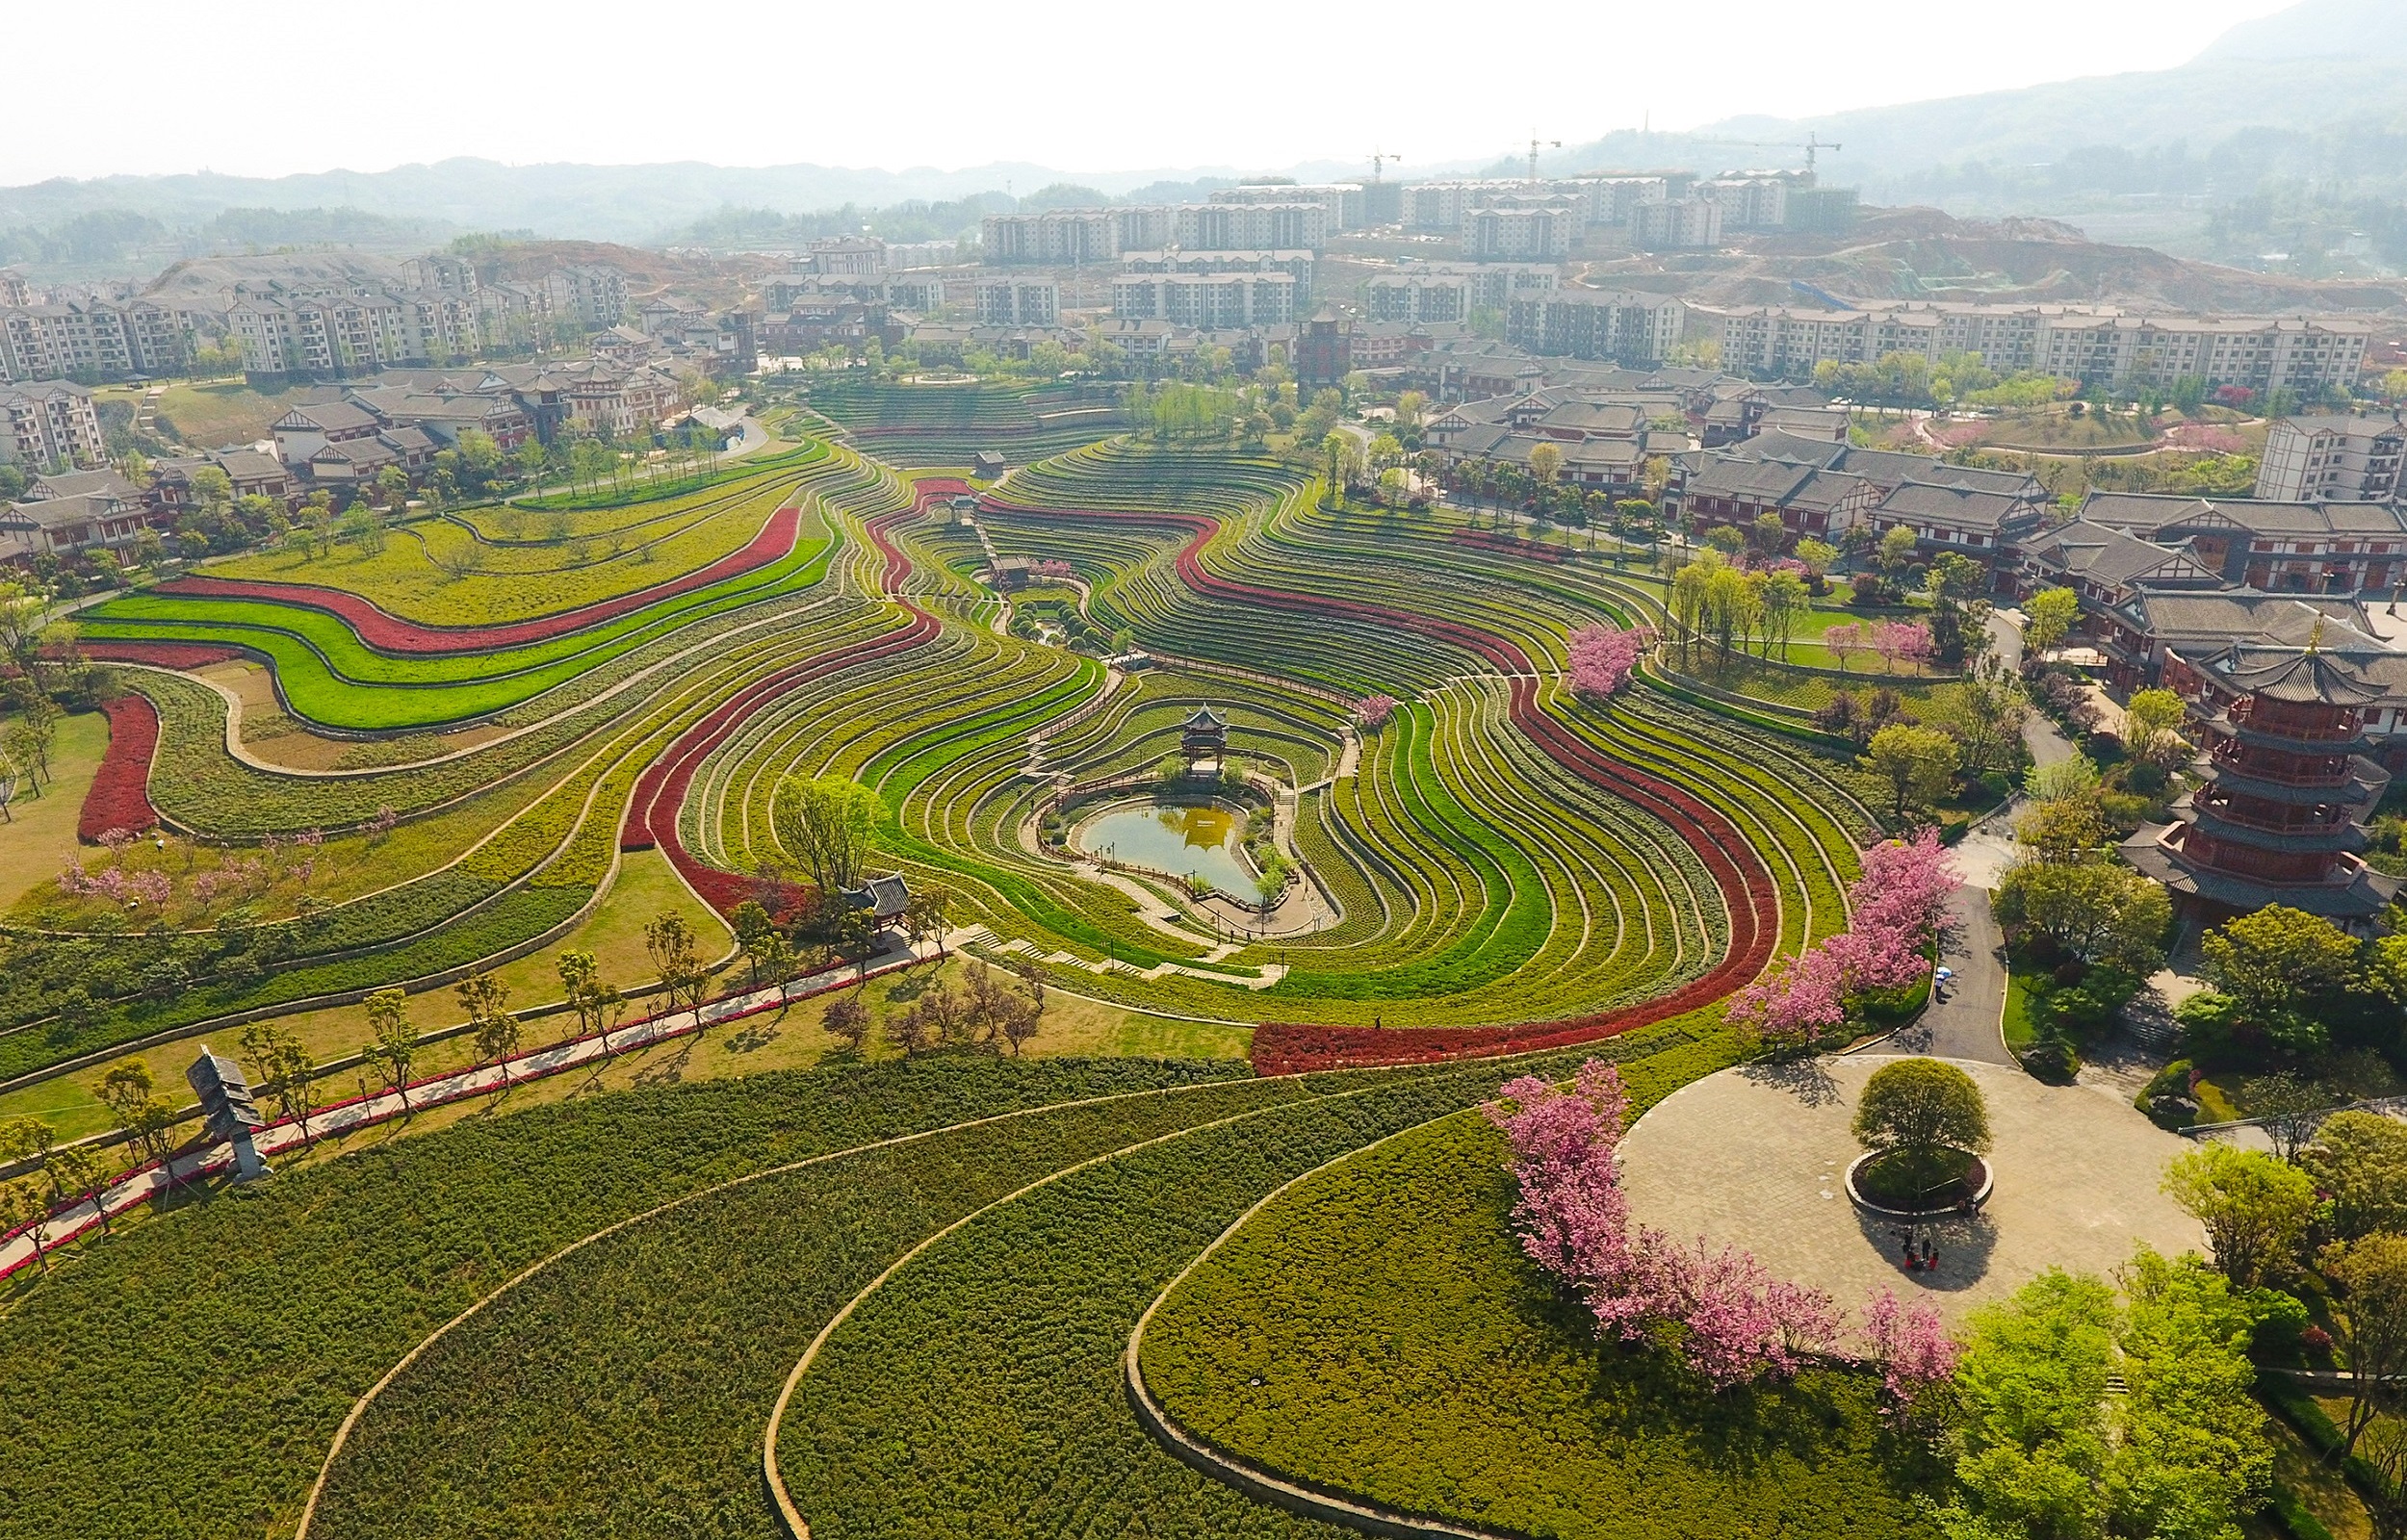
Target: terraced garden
(939,424)
(886,1298)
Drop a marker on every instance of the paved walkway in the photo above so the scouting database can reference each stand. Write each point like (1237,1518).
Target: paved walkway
(1967,1023)
(138,1187)
(1755,1156)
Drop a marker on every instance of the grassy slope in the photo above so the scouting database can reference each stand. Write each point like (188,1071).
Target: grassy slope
(1407,1350)
(39,836)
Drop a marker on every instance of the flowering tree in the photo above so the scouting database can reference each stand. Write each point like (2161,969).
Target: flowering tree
(1372,711)
(1842,640)
(1602,658)
(1898,908)
(1734,1320)
(1908,1345)
(1898,640)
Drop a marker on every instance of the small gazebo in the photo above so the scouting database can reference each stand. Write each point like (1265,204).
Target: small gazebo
(1204,738)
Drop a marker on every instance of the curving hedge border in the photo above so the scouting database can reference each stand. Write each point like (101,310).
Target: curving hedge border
(1738,869)
(386,632)
(119,797)
(653,813)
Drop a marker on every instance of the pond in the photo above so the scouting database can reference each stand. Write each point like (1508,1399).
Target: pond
(1202,840)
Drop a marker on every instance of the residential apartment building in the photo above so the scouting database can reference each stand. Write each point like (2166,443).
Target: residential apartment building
(1678,225)
(588,295)
(1296,264)
(91,339)
(1057,236)
(2345,460)
(16,289)
(1264,226)
(1420,297)
(1207,301)
(2086,343)
(1520,234)
(1633,328)
(1750,200)
(1018,301)
(50,424)
(288,334)
(845,256)
(1347,206)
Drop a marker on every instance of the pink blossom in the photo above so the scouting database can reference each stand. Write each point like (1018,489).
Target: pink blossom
(1372,711)
(383,822)
(1796,1004)
(151,889)
(1603,658)
(1909,1346)
(73,882)
(1843,639)
(1900,640)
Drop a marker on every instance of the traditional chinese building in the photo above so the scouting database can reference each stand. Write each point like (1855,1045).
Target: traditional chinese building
(1204,738)
(2279,817)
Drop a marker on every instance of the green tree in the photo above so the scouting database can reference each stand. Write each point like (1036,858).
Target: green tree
(2032,1440)
(828,825)
(1919,764)
(2361,1159)
(1921,1107)
(2371,1304)
(2276,964)
(2098,913)
(485,1001)
(2255,1208)
(676,956)
(2192,1455)
(2152,725)
(393,1042)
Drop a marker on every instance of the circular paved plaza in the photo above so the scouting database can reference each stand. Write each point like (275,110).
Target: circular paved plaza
(1755,1156)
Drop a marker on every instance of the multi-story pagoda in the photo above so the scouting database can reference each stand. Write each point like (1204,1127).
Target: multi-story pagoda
(2279,817)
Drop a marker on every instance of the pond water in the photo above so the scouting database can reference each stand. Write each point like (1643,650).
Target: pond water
(1200,841)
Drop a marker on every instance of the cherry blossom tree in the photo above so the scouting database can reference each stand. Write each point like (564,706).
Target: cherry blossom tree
(1842,640)
(1898,640)
(1908,1345)
(1602,658)
(1372,711)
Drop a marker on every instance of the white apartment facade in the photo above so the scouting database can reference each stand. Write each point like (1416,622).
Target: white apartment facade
(589,295)
(1208,301)
(1344,201)
(1597,323)
(1678,225)
(2332,459)
(2086,343)
(91,339)
(285,334)
(1016,301)
(1520,234)
(50,423)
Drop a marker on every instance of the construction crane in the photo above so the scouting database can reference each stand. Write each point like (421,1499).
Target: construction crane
(1535,143)
(1379,159)
(1812,146)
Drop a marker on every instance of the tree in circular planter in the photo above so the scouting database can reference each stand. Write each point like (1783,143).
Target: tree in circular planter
(1925,1123)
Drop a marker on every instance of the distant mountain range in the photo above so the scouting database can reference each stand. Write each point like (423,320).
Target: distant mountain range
(2318,65)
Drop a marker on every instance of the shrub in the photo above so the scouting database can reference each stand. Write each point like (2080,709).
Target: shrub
(1916,1105)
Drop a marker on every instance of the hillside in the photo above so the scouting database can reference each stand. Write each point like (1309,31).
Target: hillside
(1925,254)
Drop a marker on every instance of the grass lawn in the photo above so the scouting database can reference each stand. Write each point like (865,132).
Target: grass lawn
(646,887)
(39,836)
(2021,1031)
(213,416)
(2318,1488)
(1377,1330)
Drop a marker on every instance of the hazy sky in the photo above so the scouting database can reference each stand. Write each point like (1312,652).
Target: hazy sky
(260,89)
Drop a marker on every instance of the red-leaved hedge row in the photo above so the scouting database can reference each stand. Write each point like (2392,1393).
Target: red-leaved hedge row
(160,654)
(1737,869)
(119,797)
(388,633)
(661,790)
